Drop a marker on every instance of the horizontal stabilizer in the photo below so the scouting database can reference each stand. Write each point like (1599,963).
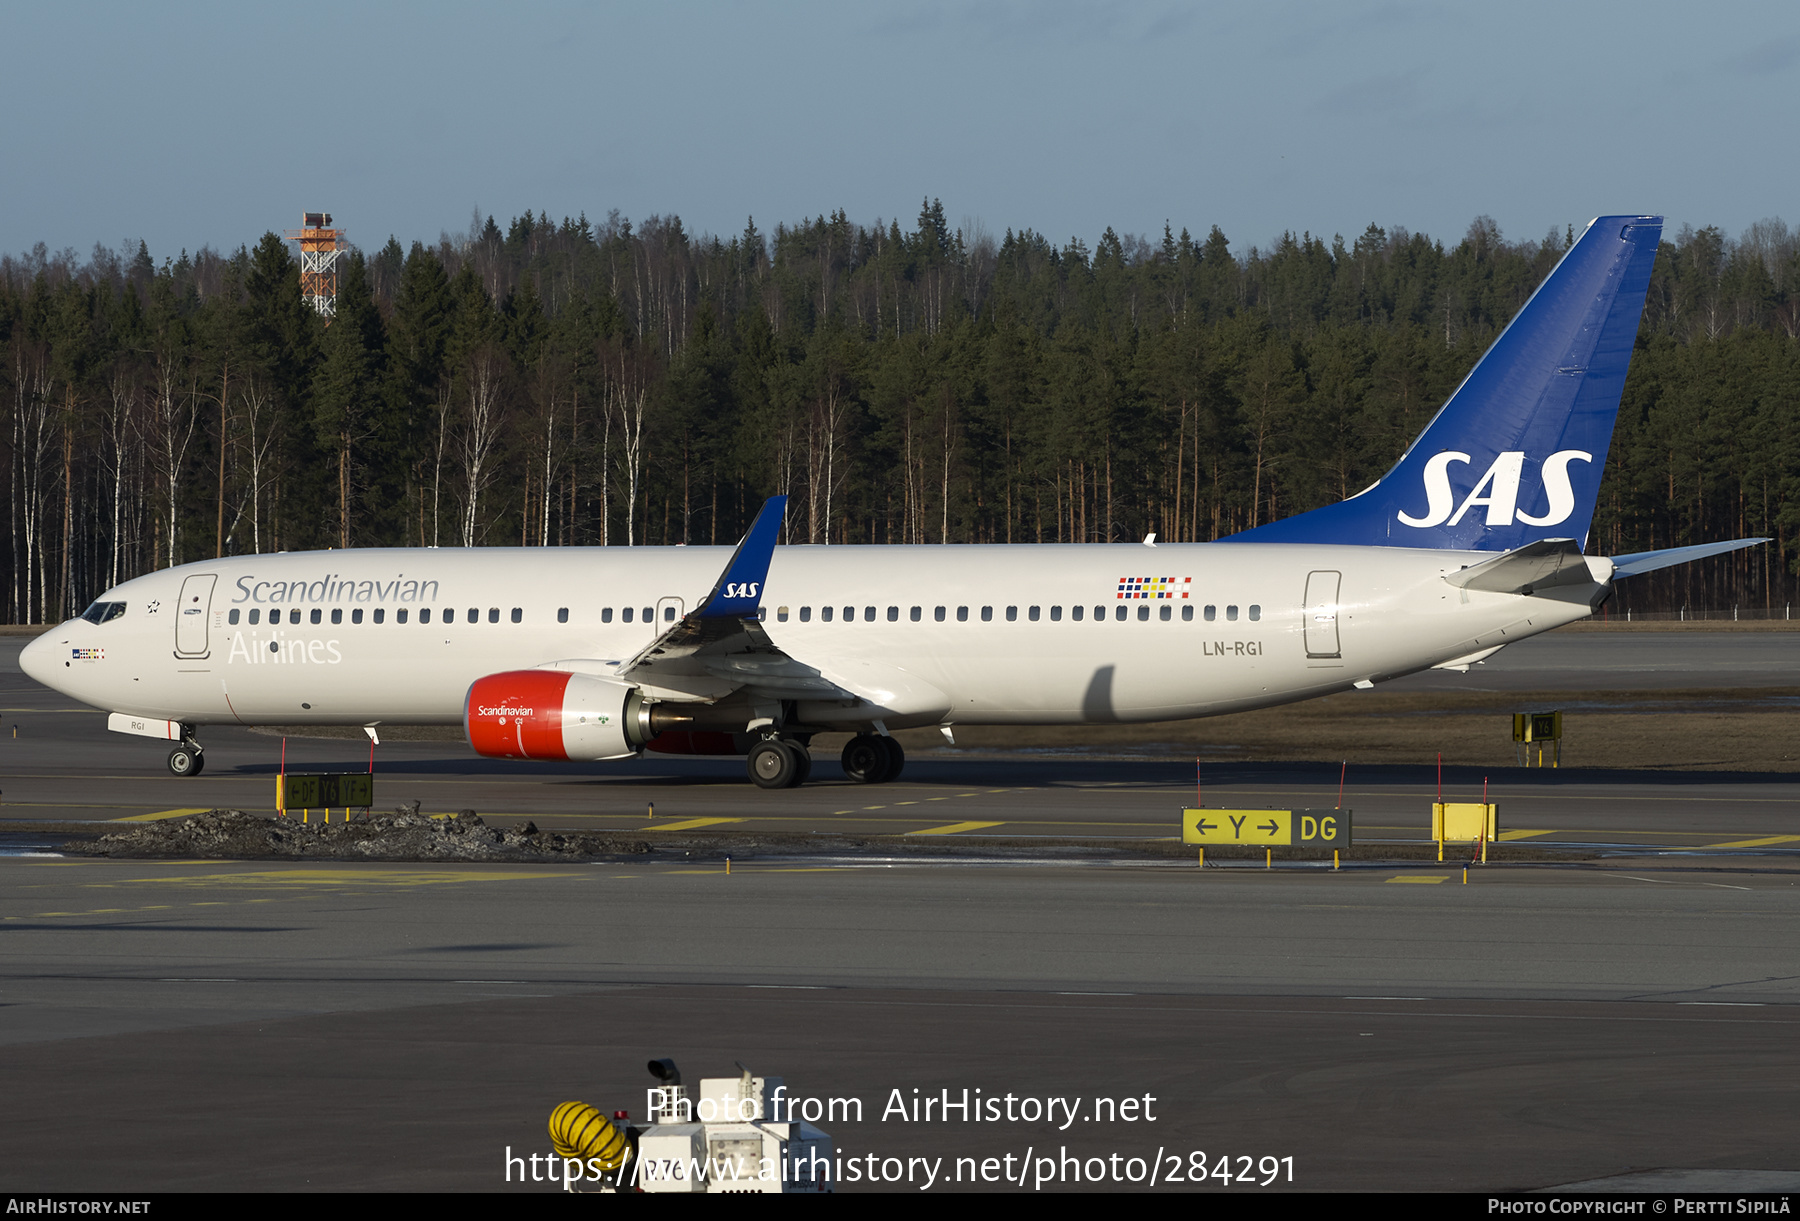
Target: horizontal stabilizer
(1650,561)
(1535,566)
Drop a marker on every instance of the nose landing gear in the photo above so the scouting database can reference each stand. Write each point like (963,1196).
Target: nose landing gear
(187,759)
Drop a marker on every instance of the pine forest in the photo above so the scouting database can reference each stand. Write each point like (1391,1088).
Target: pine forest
(565,383)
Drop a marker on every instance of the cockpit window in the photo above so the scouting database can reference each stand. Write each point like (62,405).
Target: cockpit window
(100,612)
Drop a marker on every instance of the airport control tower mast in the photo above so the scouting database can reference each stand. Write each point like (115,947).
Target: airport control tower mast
(319,247)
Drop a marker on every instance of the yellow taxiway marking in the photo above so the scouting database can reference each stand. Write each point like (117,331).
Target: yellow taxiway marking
(1416,877)
(1757,843)
(161,814)
(687,824)
(1509,835)
(954,827)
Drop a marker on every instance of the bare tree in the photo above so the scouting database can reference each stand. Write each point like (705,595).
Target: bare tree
(480,434)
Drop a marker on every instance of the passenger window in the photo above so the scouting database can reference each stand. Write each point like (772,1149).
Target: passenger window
(337,614)
(1056,614)
(1255,612)
(806,614)
(962,614)
(1100,613)
(1143,614)
(825,613)
(668,614)
(424,615)
(562,614)
(380,613)
(232,618)
(1187,614)
(1212,612)
(893,614)
(356,615)
(399,615)
(1231,614)
(1120,611)
(987,614)
(849,614)
(626,614)
(918,613)
(781,614)
(868,614)
(519,614)
(255,615)
(494,615)
(1032,614)
(606,614)
(1165,612)
(938,614)
(1077,613)
(650,614)
(1012,614)
(316,616)
(294,615)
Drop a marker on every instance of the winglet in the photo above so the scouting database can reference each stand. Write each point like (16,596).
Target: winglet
(739,591)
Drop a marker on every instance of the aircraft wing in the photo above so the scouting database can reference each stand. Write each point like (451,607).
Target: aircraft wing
(722,641)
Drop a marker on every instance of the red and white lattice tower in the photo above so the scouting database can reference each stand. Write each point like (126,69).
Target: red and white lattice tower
(320,245)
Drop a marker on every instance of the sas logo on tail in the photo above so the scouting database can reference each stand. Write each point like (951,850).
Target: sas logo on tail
(1498,490)
(745,589)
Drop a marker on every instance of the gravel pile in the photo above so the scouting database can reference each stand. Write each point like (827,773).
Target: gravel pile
(402,835)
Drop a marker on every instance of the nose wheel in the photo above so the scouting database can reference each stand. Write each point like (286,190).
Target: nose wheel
(186,760)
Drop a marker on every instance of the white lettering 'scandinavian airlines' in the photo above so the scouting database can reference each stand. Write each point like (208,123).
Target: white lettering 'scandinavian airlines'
(1472,541)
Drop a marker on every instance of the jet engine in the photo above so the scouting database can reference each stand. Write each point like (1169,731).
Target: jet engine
(554,714)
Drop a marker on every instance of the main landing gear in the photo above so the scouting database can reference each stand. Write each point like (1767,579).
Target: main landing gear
(872,759)
(779,763)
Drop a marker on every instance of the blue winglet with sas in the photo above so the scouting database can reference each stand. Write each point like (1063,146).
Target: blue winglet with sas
(739,591)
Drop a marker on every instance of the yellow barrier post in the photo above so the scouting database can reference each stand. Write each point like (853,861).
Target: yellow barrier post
(1334,858)
(727,866)
(1202,861)
(1268,858)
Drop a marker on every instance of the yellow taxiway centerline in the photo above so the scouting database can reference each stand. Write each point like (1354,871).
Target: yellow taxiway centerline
(686,824)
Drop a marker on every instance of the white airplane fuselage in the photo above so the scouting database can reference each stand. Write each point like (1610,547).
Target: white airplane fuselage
(922,635)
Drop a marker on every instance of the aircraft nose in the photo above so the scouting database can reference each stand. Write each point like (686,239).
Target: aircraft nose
(35,659)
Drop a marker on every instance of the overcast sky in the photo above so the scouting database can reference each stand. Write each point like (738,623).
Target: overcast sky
(190,124)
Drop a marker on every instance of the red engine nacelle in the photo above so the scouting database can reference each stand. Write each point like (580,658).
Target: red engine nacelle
(553,714)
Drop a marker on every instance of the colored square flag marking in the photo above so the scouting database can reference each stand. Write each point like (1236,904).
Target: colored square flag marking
(1154,587)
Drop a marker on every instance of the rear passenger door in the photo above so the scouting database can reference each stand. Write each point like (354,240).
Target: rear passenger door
(1320,612)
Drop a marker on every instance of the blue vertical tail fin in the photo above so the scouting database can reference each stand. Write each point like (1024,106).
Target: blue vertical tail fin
(1515,455)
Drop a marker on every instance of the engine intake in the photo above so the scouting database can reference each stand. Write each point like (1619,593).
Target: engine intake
(554,714)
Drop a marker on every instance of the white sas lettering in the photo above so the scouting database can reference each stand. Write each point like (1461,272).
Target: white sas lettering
(1497,490)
